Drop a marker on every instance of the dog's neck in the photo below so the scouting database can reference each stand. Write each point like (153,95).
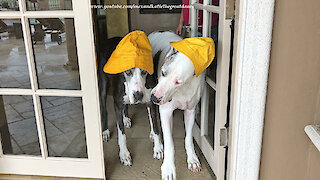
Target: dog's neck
(189,94)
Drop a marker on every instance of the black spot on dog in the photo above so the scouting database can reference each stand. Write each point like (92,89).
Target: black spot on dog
(174,52)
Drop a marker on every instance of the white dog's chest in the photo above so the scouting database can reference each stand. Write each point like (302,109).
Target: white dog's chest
(186,99)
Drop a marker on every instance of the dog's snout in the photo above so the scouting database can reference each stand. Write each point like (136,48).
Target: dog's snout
(154,99)
(138,95)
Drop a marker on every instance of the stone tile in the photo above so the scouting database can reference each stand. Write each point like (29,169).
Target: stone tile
(51,130)
(78,118)
(56,112)
(45,104)
(139,131)
(61,100)
(24,132)
(32,149)
(61,142)
(14,99)
(78,147)
(23,79)
(66,124)
(27,115)
(22,107)
(12,115)
(77,102)
(71,84)
(11,84)
(15,148)
(50,98)
(6,78)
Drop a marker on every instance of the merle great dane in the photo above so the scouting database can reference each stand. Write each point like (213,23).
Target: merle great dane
(130,87)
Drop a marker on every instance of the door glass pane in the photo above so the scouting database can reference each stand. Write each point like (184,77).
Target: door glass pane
(199,23)
(198,114)
(211,115)
(18,127)
(51,5)
(213,33)
(64,126)
(9,5)
(214,2)
(13,61)
(55,50)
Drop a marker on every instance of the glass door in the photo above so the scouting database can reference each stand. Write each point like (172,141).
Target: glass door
(208,19)
(49,108)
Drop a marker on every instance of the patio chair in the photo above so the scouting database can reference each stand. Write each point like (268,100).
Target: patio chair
(52,26)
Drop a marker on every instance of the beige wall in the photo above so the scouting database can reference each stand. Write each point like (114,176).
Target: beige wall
(293,98)
(152,22)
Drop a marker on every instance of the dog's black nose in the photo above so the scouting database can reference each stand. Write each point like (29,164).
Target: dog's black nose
(138,95)
(154,99)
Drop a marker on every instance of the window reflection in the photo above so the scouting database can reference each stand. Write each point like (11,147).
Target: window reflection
(9,5)
(14,71)
(51,5)
(55,52)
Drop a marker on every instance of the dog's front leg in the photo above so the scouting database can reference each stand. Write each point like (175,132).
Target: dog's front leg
(124,154)
(103,85)
(155,133)
(192,158)
(168,169)
(126,119)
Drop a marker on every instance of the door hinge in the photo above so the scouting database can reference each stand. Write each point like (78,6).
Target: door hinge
(224,136)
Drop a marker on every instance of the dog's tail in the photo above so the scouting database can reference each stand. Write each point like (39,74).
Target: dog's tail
(160,41)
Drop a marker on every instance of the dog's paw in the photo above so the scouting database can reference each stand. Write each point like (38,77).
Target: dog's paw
(125,158)
(127,122)
(168,171)
(106,135)
(194,164)
(158,148)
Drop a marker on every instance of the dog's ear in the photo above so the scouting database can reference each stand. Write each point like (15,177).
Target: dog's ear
(171,51)
(152,80)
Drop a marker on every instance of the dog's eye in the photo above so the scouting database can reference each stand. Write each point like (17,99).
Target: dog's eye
(143,72)
(163,73)
(129,72)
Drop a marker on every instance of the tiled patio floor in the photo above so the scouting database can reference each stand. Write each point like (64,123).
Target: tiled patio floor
(140,147)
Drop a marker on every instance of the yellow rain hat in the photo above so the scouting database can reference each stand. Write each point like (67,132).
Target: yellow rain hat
(134,50)
(200,50)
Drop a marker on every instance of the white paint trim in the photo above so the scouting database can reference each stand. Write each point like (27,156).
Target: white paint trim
(253,35)
(93,166)
(313,131)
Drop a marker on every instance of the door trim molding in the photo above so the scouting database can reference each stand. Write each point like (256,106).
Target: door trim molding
(253,34)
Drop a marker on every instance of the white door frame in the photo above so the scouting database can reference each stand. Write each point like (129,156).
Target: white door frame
(93,166)
(253,33)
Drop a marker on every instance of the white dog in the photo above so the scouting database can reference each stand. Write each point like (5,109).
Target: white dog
(177,88)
